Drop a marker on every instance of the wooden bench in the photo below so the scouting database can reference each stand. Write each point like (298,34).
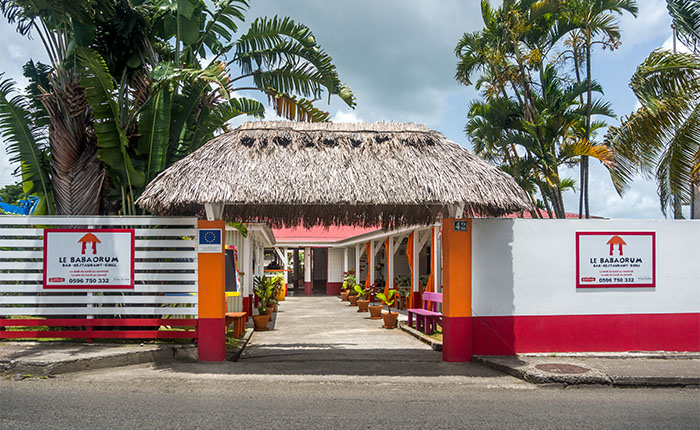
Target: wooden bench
(427,319)
(238,320)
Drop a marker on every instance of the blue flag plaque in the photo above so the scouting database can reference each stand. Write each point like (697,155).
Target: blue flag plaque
(210,240)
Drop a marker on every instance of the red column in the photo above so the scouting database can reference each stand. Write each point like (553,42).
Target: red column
(212,305)
(456,292)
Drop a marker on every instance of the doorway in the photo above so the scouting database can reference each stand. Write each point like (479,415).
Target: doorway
(319,273)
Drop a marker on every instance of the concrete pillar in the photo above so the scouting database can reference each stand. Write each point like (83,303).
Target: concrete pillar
(358,255)
(457,292)
(211,272)
(346,259)
(308,287)
(437,253)
(285,262)
(372,262)
(247,277)
(390,264)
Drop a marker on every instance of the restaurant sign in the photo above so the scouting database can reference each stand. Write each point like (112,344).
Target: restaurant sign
(89,258)
(615,259)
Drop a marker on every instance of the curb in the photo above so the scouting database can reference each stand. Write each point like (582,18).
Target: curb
(435,344)
(534,376)
(165,354)
(528,373)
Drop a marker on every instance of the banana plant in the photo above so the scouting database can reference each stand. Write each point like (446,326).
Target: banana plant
(388,299)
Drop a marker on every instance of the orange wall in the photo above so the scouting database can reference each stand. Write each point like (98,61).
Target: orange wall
(212,277)
(457,269)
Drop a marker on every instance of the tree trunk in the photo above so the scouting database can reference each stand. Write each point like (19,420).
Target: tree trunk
(78,175)
(589,94)
(695,200)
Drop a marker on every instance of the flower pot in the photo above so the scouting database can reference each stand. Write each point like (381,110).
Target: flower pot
(375,312)
(353,300)
(390,319)
(362,305)
(274,307)
(260,322)
(344,295)
(268,312)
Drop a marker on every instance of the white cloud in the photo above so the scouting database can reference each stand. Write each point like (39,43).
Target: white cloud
(651,23)
(346,116)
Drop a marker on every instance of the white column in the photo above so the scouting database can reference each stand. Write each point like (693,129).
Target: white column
(346,259)
(436,258)
(285,262)
(390,263)
(416,261)
(247,266)
(358,254)
(372,263)
(307,264)
(259,263)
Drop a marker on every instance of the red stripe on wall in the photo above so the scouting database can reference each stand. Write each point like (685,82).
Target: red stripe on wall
(509,335)
(333,288)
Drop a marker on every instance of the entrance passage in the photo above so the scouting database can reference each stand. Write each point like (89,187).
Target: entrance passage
(322,335)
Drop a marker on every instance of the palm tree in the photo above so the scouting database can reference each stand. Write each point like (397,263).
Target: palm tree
(591,22)
(529,124)
(139,91)
(662,138)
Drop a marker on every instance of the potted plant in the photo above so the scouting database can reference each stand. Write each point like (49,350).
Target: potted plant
(353,297)
(363,297)
(264,289)
(276,284)
(349,281)
(260,321)
(390,319)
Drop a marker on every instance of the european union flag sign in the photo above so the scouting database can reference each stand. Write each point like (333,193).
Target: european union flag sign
(210,240)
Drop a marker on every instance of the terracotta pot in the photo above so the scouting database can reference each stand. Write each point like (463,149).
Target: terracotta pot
(353,300)
(362,305)
(344,295)
(390,319)
(268,312)
(375,312)
(260,322)
(274,307)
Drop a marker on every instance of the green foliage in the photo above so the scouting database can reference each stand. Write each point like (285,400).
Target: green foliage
(349,280)
(154,94)
(11,194)
(26,143)
(267,289)
(388,298)
(531,119)
(662,138)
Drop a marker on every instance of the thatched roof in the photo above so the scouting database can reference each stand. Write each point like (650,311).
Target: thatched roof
(352,173)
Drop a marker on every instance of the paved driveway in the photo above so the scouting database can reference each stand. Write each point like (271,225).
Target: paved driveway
(322,335)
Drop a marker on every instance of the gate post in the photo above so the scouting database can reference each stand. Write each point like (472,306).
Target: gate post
(457,290)
(212,278)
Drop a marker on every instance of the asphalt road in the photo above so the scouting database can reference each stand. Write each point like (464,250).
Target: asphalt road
(209,397)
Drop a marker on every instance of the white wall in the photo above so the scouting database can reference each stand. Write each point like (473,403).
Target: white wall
(528,267)
(335,265)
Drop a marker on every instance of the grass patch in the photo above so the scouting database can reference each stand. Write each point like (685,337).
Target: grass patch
(232,342)
(437,334)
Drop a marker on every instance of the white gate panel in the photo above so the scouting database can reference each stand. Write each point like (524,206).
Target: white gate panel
(165,269)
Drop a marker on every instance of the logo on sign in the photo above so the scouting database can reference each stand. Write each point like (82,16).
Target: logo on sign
(210,240)
(89,239)
(616,240)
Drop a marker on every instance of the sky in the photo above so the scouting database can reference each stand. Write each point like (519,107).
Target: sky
(398,58)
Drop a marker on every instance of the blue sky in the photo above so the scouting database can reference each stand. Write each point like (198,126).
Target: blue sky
(397,56)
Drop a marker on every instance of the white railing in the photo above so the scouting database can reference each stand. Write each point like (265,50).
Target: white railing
(165,269)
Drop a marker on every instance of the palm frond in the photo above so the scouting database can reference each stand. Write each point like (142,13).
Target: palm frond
(111,137)
(26,141)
